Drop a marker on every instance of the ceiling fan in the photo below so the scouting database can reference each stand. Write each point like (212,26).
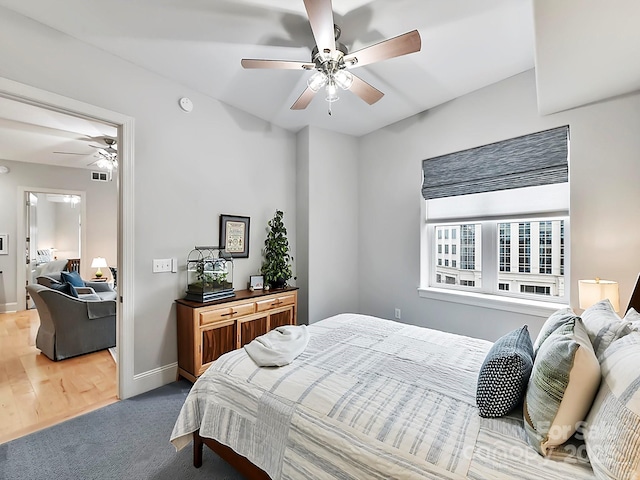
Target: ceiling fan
(332,61)
(107,156)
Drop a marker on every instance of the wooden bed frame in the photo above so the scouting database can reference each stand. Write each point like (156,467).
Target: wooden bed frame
(249,470)
(240,463)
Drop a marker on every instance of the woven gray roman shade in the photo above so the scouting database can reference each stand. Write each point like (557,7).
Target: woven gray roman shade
(528,161)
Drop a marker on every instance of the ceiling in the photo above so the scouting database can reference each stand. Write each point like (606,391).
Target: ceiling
(33,134)
(466,45)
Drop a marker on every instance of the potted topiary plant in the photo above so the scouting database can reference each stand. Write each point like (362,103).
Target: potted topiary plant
(276,267)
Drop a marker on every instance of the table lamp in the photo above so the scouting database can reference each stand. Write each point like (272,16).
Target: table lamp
(98,263)
(592,291)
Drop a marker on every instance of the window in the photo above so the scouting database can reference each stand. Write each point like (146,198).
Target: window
(536,289)
(524,247)
(501,212)
(505,248)
(545,248)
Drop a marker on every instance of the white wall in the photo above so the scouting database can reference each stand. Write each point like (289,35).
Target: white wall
(604,175)
(101,213)
(302,223)
(189,168)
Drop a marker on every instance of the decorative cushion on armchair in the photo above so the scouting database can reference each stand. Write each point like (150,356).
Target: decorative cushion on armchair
(101,289)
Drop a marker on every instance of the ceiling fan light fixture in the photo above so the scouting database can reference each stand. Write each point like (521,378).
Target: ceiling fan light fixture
(343,79)
(317,81)
(332,91)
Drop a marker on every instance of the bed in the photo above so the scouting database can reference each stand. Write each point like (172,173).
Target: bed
(368,398)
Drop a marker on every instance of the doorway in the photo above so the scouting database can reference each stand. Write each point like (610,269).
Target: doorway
(125,223)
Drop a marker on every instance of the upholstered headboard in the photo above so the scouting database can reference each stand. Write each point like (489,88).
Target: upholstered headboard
(635,297)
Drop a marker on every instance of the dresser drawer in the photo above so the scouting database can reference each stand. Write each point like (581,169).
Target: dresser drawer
(225,313)
(277,302)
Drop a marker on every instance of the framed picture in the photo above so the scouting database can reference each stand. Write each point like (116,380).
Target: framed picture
(4,247)
(234,235)
(256,282)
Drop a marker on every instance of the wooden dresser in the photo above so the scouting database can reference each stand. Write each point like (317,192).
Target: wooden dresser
(207,330)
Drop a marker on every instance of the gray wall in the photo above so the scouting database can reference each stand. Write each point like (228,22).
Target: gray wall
(604,175)
(101,213)
(328,209)
(189,168)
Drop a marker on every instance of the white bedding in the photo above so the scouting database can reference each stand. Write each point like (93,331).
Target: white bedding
(368,398)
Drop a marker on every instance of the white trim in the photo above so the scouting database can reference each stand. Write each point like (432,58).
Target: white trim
(8,307)
(125,326)
(495,302)
(145,381)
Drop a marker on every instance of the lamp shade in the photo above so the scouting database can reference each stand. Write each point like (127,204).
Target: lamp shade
(592,291)
(98,262)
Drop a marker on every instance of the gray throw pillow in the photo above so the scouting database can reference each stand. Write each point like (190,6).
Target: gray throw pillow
(505,373)
(61,287)
(555,320)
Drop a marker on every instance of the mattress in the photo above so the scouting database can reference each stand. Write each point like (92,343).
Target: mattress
(368,398)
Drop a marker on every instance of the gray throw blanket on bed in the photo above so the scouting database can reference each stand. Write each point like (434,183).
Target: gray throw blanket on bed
(279,346)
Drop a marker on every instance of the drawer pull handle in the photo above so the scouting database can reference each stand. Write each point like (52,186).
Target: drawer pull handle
(276,303)
(230,313)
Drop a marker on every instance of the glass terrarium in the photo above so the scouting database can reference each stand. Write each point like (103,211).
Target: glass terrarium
(209,274)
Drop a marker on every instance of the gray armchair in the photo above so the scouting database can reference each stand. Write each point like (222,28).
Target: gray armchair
(72,326)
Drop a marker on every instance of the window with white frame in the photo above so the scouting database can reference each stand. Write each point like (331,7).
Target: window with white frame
(496,218)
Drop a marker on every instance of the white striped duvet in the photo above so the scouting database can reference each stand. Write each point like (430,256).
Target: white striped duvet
(368,399)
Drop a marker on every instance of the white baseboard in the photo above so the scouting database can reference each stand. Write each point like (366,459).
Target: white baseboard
(9,307)
(145,381)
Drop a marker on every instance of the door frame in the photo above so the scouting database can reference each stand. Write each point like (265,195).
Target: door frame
(22,229)
(125,264)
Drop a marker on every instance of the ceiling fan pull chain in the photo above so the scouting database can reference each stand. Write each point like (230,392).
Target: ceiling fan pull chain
(330,108)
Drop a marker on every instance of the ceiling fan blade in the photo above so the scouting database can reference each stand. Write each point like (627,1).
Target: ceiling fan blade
(365,91)
(73,153)
(281,64)
(303,100)
(409,42)
(320,15)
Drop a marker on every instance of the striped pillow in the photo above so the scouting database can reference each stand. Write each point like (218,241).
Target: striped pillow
(563,383)
(613,425)
(604,326)
(633,317)
(555,320)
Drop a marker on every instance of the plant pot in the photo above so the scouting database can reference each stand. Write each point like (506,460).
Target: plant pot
(279,283)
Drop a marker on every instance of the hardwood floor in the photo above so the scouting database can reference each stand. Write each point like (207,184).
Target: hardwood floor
(36,392)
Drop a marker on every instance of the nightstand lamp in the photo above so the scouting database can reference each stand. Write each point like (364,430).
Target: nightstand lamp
(592,291)
(98,262)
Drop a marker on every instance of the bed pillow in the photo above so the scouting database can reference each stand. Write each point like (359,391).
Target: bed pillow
(555,320)
(563,384)
(612,434)
(604,326)
(633,317)
(73,278)
(505,373)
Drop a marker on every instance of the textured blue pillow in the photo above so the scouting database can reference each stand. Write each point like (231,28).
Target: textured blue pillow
(73,278)
(504,375)
(61,287)
(74,292)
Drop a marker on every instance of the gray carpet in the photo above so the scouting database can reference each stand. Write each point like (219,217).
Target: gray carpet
(126,440)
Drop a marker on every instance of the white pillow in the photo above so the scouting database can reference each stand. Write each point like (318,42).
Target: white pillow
(633,317)
(612,434)
(604,326)
(562,386)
